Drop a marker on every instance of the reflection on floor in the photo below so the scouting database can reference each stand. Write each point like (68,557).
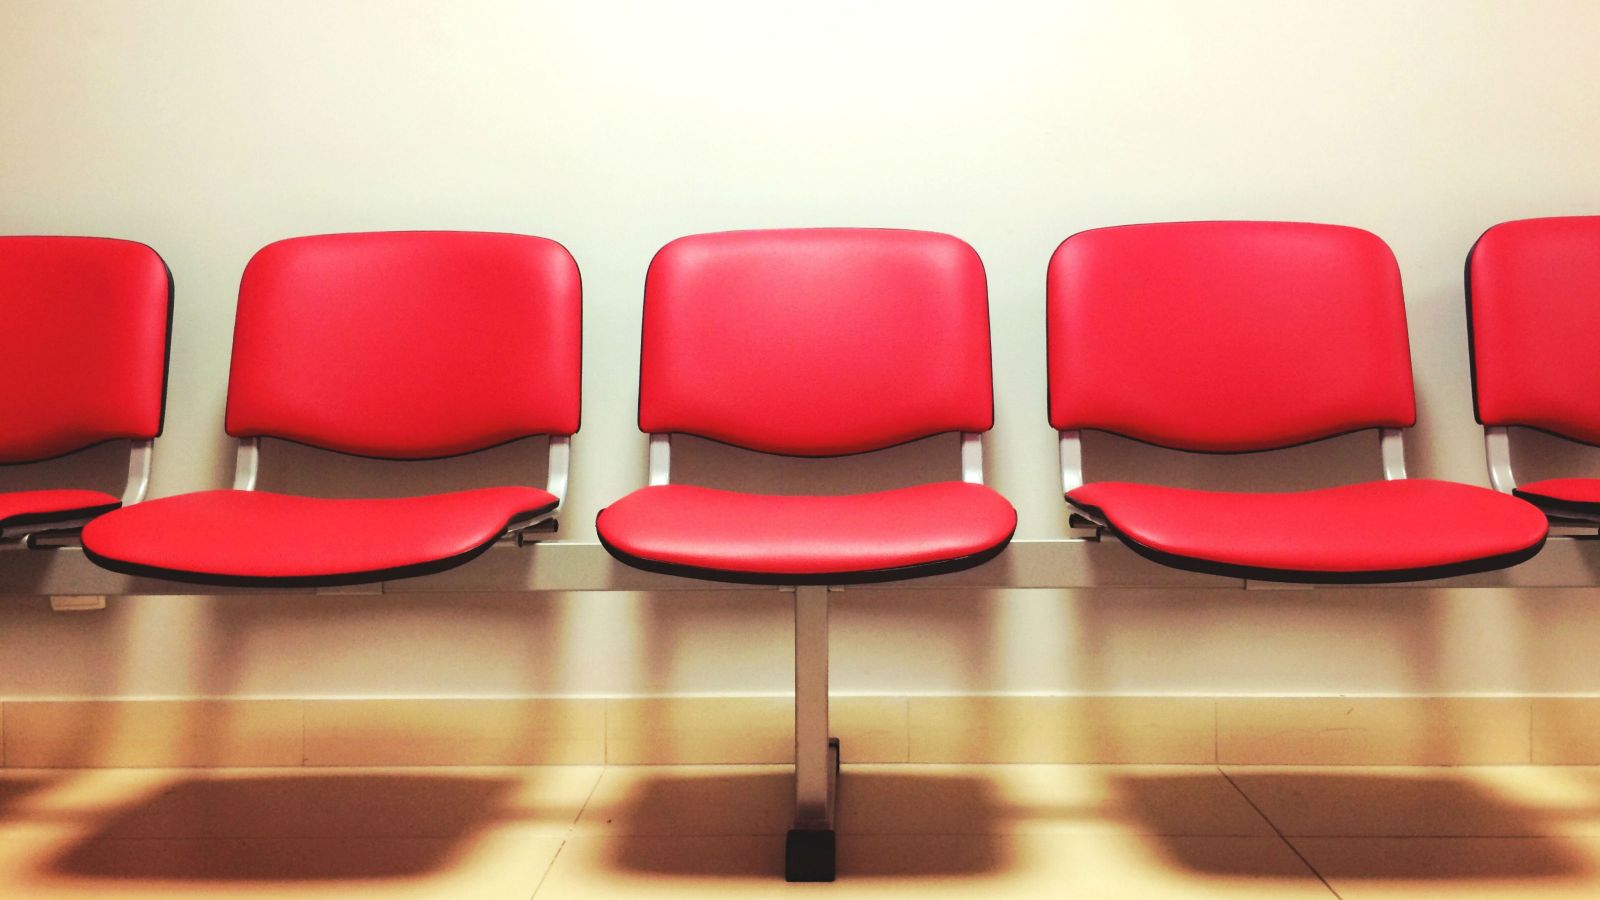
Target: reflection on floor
(715,831)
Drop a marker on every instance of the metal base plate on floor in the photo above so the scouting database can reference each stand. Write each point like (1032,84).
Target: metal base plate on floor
(808,856)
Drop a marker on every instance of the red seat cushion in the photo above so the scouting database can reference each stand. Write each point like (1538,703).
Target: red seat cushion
(1379,531)
(263,539)
(763,539)
(1559,495)
(43,507)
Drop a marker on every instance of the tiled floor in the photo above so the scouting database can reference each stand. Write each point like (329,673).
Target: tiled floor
(716,831)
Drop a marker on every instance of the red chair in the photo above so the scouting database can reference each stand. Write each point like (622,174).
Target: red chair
(819,342)
(1230,337)
(83,353)
(410,345)
(1533,311)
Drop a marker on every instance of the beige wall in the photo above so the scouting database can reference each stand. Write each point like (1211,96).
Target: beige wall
(209,128)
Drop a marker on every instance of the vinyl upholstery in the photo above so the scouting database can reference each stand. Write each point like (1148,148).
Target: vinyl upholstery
(399,345)
(1533,304)
(1376,531)
(733,536)
(1227,336)
(282,540)
(1241,336)
(83,353)
(407,344)
(813,342)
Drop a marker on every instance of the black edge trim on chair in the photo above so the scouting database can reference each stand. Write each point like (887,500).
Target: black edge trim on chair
(1298,576)
(865,576)
(60,515)
(166,352)
(1557,504)
(1472,341)
(340,579)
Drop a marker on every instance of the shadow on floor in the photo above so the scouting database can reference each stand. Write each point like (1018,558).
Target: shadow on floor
(679,807)
(15,787)
(698,812)
(250,827)
(1362,806)
(291,827)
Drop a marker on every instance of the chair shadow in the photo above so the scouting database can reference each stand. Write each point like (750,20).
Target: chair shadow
(14,787)
(295,827)
(1447,804)
(699,833)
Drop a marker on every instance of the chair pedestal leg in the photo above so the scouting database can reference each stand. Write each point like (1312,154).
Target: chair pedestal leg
(810,849)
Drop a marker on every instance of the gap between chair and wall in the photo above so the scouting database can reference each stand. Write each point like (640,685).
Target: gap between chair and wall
(1254,730)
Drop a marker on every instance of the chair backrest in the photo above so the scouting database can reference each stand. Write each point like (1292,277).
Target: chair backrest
(816,342)
(1533,313)
(407,345)
(1227,336)
(84,327)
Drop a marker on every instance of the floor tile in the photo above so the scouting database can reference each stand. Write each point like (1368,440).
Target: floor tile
(691,800)
(711,831)
(1106,867)
(35,796)
(1424,867)
(1566,730)
(688,730)
(502,863)
(286,833)
(454,732)
(871,729)
(978,729)
(152,733)
(926,799)
(122,804)
(1491,801)
(1016,799)
(1336,731)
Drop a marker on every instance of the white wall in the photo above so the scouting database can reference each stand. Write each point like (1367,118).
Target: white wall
(208,129)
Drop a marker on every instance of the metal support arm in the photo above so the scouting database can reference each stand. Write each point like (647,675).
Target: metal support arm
(812,767)
(1071,461)
(1497,449)
(660,459)
(64,532)
(139,456)
(1391,443)
(972,457)
(810,850)
(560,462)
(246,464)
(555,482)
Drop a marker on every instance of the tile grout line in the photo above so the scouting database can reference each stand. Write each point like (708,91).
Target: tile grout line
(1216,731)
(571,829)
(546,873)
(1275,830)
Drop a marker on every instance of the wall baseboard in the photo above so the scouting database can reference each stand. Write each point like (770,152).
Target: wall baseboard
(886,729)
